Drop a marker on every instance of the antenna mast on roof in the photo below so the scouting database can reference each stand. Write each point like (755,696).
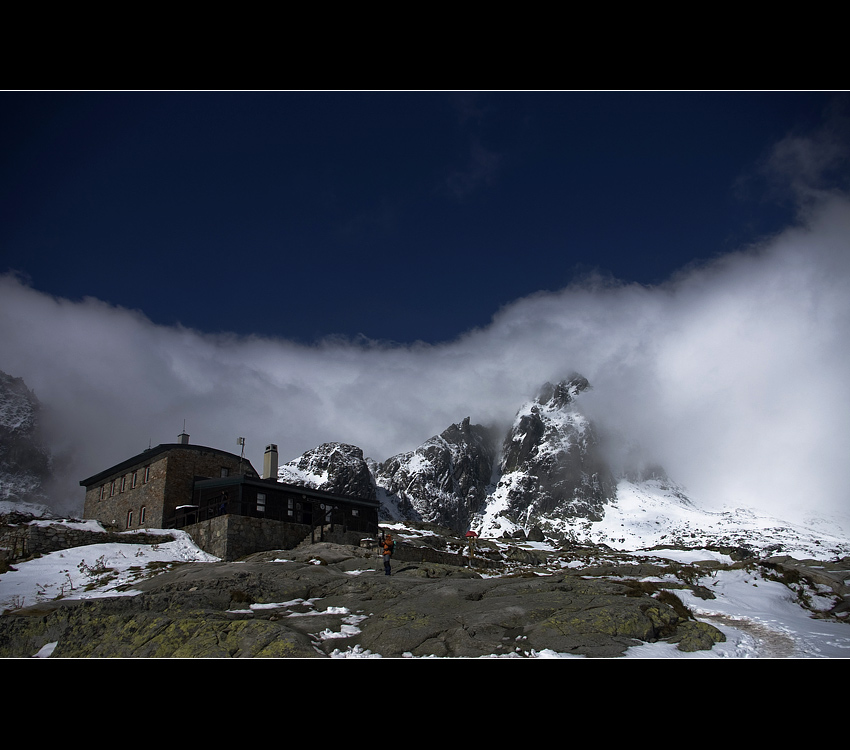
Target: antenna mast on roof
(241,441)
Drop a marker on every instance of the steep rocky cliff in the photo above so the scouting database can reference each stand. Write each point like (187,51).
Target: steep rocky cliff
(24,459)
(444,481)
(332,467)
(546,472)
(551,470)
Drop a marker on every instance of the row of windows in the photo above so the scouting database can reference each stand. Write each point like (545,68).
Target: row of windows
(223,503)
(142,515)
(120,485)
(292,506)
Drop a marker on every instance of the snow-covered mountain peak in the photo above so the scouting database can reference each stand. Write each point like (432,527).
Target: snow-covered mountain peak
(444,481)
(554,397)
(551,466)
(333,467)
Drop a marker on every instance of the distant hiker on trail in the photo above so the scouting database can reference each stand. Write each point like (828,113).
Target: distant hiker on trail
(388,545)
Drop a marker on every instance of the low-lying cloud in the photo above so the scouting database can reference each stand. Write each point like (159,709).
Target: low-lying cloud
(733,375)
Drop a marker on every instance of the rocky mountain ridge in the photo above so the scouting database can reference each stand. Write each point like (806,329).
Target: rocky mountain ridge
(547,467)
(25,461)
(333,467)
(546,478)
(551,467)
(444,481)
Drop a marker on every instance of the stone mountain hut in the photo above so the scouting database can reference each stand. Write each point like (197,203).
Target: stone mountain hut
(218,497)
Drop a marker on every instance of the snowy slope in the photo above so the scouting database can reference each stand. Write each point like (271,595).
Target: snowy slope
(91,571)
(657,512)
(551,477)
(759,618)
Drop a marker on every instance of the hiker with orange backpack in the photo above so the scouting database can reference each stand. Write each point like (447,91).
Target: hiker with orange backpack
(388,547)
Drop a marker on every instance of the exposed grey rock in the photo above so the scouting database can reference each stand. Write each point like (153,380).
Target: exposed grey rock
(333,600)
(333,467)
(25,461)
(445,480)
(696,636)
(535,535)
(551,463)
(807,579)
(548,467)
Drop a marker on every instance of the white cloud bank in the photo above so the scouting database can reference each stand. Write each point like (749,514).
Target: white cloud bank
(735,376)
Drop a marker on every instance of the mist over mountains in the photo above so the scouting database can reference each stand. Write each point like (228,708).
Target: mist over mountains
(544,479)
(731,375)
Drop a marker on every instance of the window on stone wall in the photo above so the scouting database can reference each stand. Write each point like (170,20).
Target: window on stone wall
(225,472)
(129,518)
(102,491)
(134,480)
(147,474)
(123,483)
(142,514)
(112,488)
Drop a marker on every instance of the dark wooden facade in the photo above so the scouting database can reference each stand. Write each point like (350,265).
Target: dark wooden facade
(244,495)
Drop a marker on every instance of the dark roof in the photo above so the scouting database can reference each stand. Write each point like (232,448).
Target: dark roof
(149,455)
(273,484)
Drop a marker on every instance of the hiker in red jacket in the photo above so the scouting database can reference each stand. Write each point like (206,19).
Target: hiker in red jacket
(389,546)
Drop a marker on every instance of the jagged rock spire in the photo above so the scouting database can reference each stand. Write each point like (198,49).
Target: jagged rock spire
(548,467)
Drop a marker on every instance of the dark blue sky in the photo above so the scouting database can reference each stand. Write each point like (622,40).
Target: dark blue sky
(403,216)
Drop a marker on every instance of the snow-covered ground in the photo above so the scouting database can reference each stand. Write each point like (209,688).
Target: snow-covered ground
(95,570)
(655,512)
(760,617)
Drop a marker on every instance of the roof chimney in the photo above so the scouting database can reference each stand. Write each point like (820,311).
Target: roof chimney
(183,438)
(270,462)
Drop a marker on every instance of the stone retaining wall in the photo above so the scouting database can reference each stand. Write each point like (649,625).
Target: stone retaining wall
(230,537)
(227,537)
(412,553)
(22,541)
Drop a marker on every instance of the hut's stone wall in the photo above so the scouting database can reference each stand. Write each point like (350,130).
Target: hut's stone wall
(22,540)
